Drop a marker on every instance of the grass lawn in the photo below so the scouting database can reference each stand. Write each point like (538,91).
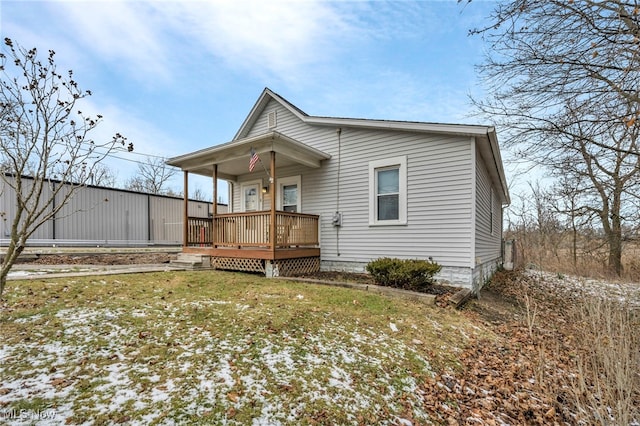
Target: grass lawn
(219,348)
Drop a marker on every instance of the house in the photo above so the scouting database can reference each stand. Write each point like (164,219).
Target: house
(336,193)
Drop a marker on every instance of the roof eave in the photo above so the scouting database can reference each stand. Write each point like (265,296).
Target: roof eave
(410,126)
(497,158)
(225,154)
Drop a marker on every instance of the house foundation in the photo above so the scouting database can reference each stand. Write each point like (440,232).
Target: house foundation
(483,272)
(473,279)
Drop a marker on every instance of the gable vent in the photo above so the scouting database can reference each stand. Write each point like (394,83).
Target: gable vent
(271,120)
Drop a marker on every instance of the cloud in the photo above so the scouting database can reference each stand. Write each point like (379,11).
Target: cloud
(153,40)
(146,137)
(116,35)
(122,34)
(269,39)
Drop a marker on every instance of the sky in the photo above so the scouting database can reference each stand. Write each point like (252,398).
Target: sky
(178,76)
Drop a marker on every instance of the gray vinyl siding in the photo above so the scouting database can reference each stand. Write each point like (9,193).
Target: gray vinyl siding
(439,191)
(487,243)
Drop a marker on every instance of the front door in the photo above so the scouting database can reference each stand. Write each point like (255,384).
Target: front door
(250,197)
(250,228)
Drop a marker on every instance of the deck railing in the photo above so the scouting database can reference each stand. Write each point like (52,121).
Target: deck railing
(242,229)
(296,229)
(251,229)
(199,231)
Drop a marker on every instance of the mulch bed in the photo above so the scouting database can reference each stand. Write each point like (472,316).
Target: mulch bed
(101,259)
(350,277)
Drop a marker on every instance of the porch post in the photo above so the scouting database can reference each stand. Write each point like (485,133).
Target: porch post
(185,211)
(272,191)
(215,206)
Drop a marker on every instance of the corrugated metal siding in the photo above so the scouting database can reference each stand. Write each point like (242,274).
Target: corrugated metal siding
(103,214)
(439,173)
(9,209)
(166,221)
(110,216)
(487,244)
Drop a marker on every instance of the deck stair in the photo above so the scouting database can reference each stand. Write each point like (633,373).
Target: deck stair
(192,261)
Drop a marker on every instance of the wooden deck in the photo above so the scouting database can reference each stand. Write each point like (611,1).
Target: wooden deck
(247,235)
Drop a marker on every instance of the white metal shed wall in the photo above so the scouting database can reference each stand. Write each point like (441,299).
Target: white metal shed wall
(107,216)
(97,214)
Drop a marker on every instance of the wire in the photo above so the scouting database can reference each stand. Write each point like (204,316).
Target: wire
(113,154)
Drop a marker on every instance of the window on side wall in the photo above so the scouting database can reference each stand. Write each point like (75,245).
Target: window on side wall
(491,230)
(388,191)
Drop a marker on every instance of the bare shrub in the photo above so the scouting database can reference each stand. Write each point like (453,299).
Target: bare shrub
(606,388)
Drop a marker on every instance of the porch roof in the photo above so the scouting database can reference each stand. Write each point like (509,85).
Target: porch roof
(233,157)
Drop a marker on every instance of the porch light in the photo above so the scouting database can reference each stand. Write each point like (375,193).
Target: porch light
(265,189)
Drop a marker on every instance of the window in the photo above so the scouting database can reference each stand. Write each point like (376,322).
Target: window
(289,199)
(491,212)
(388,191)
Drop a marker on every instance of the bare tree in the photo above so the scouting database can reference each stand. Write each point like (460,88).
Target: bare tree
(545,52)
(200,195)
(567,202)
(606,178)
(564,81)
(152,177)
(100,175)
(44,141)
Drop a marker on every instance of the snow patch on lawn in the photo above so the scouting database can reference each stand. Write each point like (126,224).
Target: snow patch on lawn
(99,365)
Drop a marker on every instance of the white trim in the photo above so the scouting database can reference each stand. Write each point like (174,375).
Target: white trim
(400,161)
(232,157)
(474,189)
(411,126)
(230,203)
(243,185)
(289,180)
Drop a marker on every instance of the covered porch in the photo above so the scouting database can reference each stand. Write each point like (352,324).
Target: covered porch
(272,241)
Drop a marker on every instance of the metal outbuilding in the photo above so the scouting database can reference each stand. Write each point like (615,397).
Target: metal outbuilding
(103,216)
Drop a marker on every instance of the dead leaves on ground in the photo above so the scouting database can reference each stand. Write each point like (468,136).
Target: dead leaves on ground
(512,379)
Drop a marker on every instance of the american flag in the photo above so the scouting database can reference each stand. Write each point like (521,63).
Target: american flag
(254,160)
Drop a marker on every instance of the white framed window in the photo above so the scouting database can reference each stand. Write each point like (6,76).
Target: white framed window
(289,194)
(388,191)
(491,228)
